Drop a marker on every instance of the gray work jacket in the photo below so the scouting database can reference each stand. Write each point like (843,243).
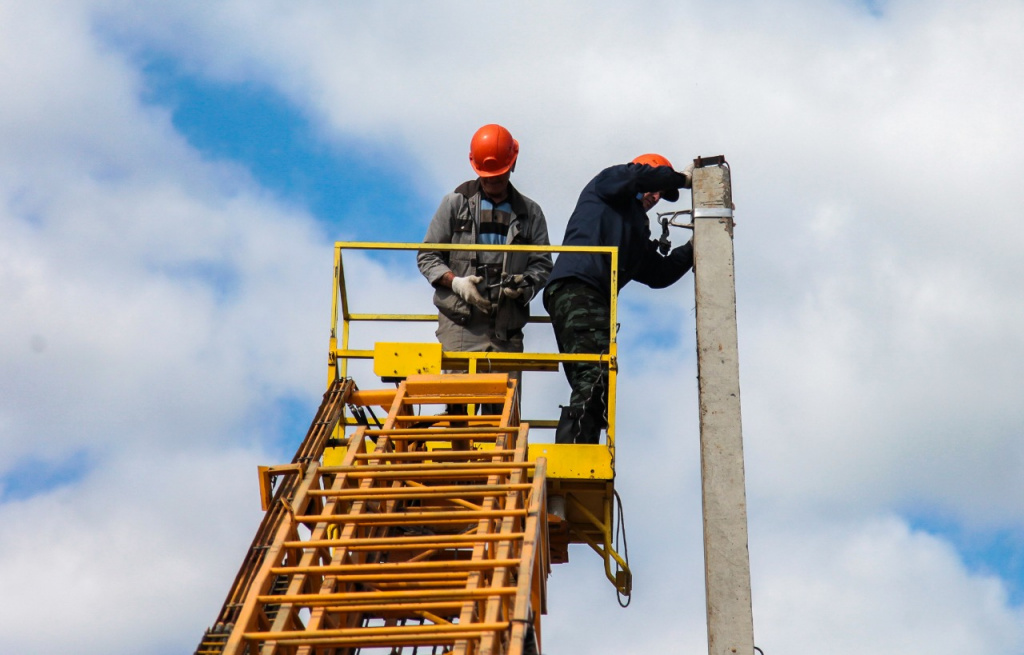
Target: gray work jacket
(456,221)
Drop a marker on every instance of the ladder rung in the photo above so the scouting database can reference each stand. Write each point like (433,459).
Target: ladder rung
(405,609)
(414,547)
(358,638)
(455,541)
(398,567)
(441,436)
(423,476)
(406,579)
(341,599)
(440,466)
(418,518)
(490,430)
(382,493)
(414,583)
(439,455)
(423,492)
(455,399)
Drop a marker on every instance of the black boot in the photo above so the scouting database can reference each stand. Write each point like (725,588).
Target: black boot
(568,425)
(590,429)
(456,410)
(490,408)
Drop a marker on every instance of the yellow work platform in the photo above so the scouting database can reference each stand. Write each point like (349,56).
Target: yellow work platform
(580,477)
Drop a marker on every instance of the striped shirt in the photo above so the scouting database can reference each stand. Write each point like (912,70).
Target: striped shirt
(493,228)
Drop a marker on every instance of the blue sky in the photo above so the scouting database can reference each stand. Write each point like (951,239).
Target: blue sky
(33,476)
(987,550)
(166,326)
(252,125)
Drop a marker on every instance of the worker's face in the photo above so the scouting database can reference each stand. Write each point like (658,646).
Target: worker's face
(650,199)
(495,188)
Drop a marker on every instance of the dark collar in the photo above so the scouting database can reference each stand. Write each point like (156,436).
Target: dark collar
(515,199)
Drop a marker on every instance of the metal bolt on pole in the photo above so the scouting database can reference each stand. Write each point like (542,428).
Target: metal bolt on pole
(726,557)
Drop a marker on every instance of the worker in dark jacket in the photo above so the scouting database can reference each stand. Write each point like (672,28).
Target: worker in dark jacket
(611,211)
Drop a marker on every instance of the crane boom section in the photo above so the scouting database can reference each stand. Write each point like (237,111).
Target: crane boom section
(401,545)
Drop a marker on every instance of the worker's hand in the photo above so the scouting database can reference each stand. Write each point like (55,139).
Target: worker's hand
(465,288)
(512,293)
(683,254)
(515,288)
(688,174)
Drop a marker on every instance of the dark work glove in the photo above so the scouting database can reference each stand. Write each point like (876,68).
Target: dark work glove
(683,254)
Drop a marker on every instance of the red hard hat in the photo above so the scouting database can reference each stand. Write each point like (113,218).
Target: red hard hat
(652,159)
(493,151)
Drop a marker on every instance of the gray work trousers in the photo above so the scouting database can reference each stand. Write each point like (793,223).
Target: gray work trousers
(475,337)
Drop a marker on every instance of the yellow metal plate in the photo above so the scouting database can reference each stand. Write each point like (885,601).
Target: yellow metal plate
(335,456)
(404,359)
(458,384)
(575,461)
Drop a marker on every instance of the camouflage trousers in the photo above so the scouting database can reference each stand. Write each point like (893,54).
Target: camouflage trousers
(581,318)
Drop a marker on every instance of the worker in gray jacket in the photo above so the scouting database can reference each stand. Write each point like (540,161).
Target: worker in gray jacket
(483,298)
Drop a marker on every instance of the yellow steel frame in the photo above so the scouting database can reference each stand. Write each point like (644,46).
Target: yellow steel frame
(472,362)
(589,496)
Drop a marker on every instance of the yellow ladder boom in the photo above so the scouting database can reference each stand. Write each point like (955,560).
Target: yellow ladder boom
(429,534)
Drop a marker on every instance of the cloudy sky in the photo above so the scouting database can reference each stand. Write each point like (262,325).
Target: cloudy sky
(173,176)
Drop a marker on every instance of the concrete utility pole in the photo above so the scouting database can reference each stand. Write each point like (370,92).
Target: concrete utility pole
(726,558)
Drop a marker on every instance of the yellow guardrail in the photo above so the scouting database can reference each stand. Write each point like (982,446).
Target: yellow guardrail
(341,351)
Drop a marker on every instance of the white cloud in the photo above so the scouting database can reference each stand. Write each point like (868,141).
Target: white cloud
(874,587)
(135,559)
(160,302)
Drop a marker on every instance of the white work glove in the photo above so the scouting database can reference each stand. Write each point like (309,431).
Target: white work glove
(688,174)
(516,289)
(465,288)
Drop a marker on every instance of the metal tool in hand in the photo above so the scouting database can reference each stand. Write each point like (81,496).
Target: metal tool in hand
(508,281)
(671,218)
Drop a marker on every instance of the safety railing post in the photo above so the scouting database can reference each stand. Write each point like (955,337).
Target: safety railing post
(726,556)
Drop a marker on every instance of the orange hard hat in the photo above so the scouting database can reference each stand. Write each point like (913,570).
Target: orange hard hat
(652,159)
(493,151)
(655,160)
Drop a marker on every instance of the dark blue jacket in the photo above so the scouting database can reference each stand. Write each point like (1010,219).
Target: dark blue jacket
(608,213)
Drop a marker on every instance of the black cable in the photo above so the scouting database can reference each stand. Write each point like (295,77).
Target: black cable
(358,414)
(375,419)
(620,530)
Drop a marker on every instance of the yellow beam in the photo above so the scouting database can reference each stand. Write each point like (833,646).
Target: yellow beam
(575,461)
